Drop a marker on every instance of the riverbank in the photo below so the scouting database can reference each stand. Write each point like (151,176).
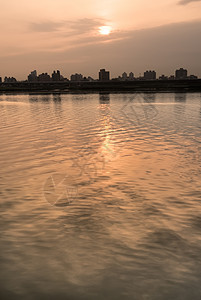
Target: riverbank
(119,86)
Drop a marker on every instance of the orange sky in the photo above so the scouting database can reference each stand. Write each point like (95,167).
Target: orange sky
(49,34)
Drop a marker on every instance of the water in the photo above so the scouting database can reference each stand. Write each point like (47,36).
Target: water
(100,196)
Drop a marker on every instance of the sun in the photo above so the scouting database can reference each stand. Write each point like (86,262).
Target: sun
(105,30)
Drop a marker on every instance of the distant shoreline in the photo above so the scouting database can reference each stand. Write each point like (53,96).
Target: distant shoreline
(186,85)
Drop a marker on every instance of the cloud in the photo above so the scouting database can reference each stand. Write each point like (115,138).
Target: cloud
(48,26)
(78,27)
(86,25)
(185,2)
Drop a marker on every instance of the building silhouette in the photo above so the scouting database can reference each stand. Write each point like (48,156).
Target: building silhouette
(181,74)
(32,77)
(163,77)
(193,77)
(124,76)
(10,79)
(131,76)
(76,77)
(56,76)
(104,75)
(44,77)
(149,75)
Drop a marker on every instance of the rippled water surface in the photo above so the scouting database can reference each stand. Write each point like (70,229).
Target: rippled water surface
(100,196)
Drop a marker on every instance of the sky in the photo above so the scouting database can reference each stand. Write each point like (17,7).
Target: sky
(85,35)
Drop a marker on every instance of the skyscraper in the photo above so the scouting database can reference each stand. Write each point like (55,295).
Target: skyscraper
(56,76)
(32,77)
(104,75)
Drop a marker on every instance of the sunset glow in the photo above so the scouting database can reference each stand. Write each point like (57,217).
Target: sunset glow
(105,30)
(45,35)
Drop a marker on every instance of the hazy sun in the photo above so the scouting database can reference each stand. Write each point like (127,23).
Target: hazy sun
(105,30)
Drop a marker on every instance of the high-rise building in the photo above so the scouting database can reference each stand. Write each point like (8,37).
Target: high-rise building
(76,77)
(124,76)
(150,75)
(104,75)
(56,76)
(44,77)
(32,77)
(181,74)
(131,76)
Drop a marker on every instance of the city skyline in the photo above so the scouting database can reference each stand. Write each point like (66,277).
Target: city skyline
(119,34)
(103,75)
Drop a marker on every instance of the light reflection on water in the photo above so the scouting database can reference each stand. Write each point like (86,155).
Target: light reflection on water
(100,196)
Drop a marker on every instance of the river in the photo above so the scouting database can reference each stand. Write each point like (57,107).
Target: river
(100,196)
